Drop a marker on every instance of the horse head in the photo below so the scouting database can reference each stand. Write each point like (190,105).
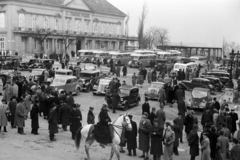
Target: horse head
(127,122)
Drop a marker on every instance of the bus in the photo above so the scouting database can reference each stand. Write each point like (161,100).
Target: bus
(168,55)
(182,66)
(143,52)
(142,60)
(199,59)
(120,58)
(103,56)
(85,56)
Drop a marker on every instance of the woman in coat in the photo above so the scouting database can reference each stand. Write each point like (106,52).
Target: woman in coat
(34,117)
(53,123)
(20,116)
(193,142)
(75,118)
(3,116)
(168,141)
(156,141)
(205,148)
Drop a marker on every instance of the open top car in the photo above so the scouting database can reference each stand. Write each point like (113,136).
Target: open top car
(153,90)
(129,97)
(101,86)
(88,78)
(200,98)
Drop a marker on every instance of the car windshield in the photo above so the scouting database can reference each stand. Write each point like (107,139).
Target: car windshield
(136,58)
(61,81)
(124,91)
(63,73)
(87,75)
(199,94)
(82,53)
(154,85)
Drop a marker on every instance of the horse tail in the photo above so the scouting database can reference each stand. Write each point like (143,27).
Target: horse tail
(78,137)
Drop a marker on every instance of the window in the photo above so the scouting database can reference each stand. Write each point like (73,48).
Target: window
(110,28)
(94,27)
(78,25)
(2,20)
(46,22)
(34,21)
(2,43)
(47,44)
(58,44)
(103,28)
(68,26)
(118,29)
(21,19)
(87,24)
(35,44)
(56,24)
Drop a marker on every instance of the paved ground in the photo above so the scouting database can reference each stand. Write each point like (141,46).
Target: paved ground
(29,147)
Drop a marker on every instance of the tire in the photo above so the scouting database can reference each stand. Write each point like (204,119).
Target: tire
(126,106)
(88,89)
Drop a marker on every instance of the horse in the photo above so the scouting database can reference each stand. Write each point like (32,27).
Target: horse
(122,122)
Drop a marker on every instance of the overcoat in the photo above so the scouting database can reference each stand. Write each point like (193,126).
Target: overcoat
(8,93)
(90,117)
(234,119)
(156,141)
(20,116)
(176,130)
(223,147)
(75,117)
(188,122)
(146,108)
(182,107)
(149,76)
(131,136)
(161,117)
(144,134)
(15,90)
(53,122)
(3,117)
(34,116)
(234,153)
(205,147)
(64,114)
(193,142)
(12,107)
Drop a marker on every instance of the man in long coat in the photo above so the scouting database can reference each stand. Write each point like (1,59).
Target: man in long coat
(161,115)
(118,70)
(75,118)
(3,117)
(53,123)
(91,116)
(162,96)
(180,122)
(193,142)
(134,79)
(12,105)
(234,121)
(146,107)
(234,153)
(182,107)
(8,93)
(179,94)
(34,116)
(14,89)
(131,137)
(149,76)
(64,115)
(222,147)
(124,70)
(20,116)
(207,116)
(70,100)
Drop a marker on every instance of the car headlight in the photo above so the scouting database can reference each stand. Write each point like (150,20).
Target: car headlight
(130,62)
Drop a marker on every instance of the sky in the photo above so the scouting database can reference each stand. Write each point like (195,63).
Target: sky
(192,22)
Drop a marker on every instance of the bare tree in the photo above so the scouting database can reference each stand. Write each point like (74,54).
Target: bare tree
(141,25)
(41,34)
(162,36)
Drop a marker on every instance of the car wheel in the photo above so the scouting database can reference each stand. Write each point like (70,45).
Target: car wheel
(126,106)
(88,89)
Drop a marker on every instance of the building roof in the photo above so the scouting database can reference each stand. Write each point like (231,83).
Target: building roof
(46,2)
(104,7)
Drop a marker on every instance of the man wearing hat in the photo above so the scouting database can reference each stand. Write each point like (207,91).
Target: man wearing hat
(146,107)
(90,116)
(180,122)
(20,116)
(234,121)
(234,153)
(131,137)
(182,107)
(64,114)
(207,116)
(222,146)
(75,118)
(193,142)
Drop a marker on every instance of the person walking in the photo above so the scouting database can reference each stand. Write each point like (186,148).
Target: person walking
(182,107)
(90,116)
(115,100)
(144,135)
(156,141)
(12,105)
(124,70)
(162,96)
(75,118)
(3,117)
(222,146)
(20,116)
(64,115)
(168,141)
(234,121)
(193,142)
(8,93)
(205,148)
(161,115)
(118,70)
(207,117)
(53,123)
(213,136)
(180,122)
(34,117)
(134,79)
(176,130)
(189,122)
(149,76)
(152,116)
(131,137)
(146,107)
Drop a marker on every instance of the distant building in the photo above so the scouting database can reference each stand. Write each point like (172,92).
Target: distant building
(69,25)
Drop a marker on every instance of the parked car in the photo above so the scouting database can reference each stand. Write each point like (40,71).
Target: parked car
(200,98)
(129,97)
(153,90)
(63,72)
(196,82)
(66,83)
(101,86)
(23,66)
(217,84)
(88,78)
(36,74)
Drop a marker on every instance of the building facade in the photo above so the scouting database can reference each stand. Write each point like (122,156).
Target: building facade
(60,26)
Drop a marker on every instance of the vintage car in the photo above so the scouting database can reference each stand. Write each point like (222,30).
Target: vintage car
(88,78)
(36,74)
(200,98)
(215,82)
(66,83)
(129,97)
(153,90)
(63,72)
(23,66)
(196,82)
(101,86)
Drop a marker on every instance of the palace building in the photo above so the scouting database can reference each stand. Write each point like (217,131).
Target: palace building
(60,26)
